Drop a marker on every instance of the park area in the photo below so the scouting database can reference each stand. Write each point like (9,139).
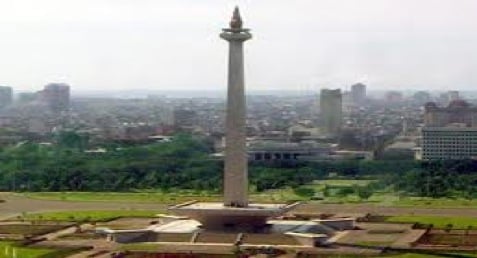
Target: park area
(68,219)
(329,191)
(13,250)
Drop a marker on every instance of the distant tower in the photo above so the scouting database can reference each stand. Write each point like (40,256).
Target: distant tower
(235,174)
(358,93)
(56,96)
(331,110)
(6,96)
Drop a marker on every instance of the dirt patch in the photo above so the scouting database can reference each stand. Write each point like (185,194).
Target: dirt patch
(452,238)
(28,230)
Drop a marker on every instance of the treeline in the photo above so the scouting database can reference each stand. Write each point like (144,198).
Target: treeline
(185,163)
(182,163)
(439,179)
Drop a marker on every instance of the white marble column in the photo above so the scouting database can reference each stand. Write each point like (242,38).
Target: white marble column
(235,172)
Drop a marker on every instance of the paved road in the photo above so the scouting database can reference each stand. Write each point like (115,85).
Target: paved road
(15,205)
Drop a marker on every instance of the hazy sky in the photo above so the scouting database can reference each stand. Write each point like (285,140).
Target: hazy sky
(297,45)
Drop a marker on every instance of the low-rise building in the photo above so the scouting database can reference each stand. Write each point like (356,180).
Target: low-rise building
(451,142)
(269,150)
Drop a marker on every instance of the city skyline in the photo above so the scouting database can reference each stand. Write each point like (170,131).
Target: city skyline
(111,45)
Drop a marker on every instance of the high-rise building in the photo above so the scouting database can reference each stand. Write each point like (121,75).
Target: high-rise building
(56,96)
(6,96)
(449,132)
(331,110)
(358,93)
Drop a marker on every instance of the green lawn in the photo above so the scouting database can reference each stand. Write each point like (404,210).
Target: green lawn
(91,215)
(435,203)
(284,194)
(9,250)
(273,195)
(144,197)
(438,222)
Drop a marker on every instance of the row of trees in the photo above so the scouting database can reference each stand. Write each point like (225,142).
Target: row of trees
(185,163)
(439,179)
(181,163)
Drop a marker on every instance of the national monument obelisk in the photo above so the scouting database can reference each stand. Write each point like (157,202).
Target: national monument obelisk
(235,211)
(235,171)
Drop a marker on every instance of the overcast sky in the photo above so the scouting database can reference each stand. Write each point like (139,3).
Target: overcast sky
(297,44)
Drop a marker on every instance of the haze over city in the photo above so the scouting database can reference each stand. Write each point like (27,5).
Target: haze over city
(299,45)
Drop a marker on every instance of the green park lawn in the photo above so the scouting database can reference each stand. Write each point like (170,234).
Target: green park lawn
(144,197)
(176,196)
(273,195)
(438,222)
(10,250)
(435,203)
(284,194)
(91,215)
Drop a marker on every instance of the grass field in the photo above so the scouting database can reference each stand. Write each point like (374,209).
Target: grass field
(435,203)
(91,215)
(274,195)
(9,250)
(144,197)
(438,222)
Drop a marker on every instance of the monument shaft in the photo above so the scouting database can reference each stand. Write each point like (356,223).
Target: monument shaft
(235,172)
(235,213)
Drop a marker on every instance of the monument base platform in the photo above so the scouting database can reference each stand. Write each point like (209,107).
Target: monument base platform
(214,215)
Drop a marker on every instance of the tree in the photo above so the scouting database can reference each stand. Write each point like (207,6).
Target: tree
(364,192)
(448,228)
(304,191)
